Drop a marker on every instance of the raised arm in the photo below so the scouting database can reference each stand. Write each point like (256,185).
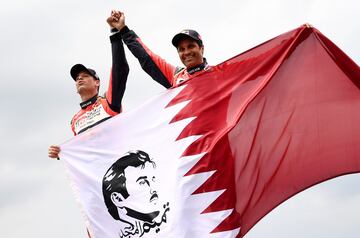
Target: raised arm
(119,69)
(159,70)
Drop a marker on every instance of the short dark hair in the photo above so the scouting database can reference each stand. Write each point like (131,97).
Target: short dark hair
(114,179)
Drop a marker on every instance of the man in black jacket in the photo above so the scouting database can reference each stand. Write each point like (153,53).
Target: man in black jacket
(94,108)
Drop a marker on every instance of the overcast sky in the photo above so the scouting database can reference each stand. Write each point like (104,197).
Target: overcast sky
(41,40)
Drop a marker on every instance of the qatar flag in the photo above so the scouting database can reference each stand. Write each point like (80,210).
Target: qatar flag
(212,156)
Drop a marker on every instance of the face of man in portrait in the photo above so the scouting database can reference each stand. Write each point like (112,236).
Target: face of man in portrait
(131,195)
(141,186)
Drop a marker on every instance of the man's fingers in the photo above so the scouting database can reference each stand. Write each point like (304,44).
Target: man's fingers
(114,13)
(53,155)
(53,151)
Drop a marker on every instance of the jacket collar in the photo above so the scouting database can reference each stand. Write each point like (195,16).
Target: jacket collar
(197,68)
(88,102)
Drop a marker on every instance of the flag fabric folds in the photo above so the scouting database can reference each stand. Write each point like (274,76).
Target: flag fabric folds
(212,156)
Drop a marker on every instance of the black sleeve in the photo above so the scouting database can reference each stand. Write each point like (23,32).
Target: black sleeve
(153,65)
(119,74)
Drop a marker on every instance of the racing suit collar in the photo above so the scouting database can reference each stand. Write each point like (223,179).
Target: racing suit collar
(197,68)
(88,102)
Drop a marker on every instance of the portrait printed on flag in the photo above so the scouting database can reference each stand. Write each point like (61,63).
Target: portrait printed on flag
(131,195)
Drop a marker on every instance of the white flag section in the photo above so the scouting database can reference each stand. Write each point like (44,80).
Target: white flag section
(128,175)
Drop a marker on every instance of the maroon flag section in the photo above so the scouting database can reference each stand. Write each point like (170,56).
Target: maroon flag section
(274,120)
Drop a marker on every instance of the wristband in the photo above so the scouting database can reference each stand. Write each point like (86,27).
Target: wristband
(114,30)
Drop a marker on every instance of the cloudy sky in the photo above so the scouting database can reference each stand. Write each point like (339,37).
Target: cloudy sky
(41,40)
